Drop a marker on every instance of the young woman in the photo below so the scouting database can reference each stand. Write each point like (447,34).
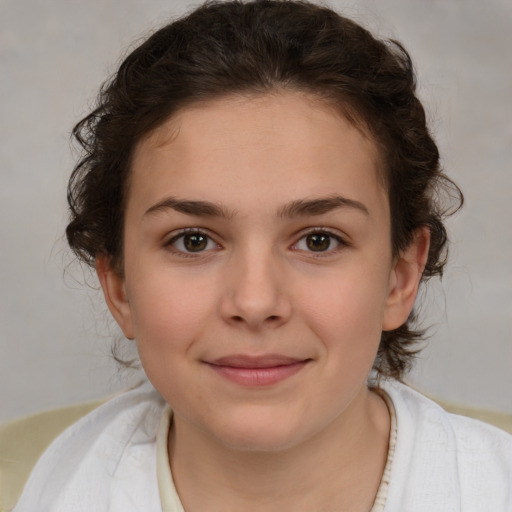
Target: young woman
(261,199)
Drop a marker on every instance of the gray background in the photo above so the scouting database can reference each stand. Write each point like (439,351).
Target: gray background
(55,334)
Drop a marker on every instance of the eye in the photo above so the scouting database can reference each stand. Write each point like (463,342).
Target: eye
(319,242)
(192,242)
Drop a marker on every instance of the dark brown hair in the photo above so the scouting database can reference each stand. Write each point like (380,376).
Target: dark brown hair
(233,47)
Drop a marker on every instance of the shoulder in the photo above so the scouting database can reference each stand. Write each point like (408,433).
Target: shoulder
(484,455)
(447,461)
(115,438)
(23,441)
(471,435)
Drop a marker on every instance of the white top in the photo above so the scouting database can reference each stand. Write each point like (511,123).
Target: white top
(115,459)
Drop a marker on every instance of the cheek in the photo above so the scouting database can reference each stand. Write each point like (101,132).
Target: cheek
(168,313)
(348,310)
(169,316)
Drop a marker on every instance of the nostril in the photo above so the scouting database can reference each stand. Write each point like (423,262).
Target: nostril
(240,319)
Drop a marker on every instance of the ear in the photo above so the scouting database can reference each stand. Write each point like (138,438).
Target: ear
(405,279)
(114,291)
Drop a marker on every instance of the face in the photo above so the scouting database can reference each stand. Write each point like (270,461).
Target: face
(258,272)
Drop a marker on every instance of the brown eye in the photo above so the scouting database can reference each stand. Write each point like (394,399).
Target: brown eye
(318,242)
(195,242)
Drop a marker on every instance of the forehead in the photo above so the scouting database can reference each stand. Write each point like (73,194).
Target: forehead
(277,145)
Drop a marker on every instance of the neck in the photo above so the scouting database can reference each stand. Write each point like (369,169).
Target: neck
(337,469)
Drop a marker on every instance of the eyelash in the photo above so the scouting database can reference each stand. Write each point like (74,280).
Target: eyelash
(184,232)
(342,243)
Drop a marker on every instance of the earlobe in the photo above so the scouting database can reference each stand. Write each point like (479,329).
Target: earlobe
(114,291)
(404,280)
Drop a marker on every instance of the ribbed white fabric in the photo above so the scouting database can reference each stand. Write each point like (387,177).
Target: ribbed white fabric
(382,494)
(108,461)
(168,495)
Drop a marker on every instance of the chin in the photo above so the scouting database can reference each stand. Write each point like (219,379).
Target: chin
(257,434)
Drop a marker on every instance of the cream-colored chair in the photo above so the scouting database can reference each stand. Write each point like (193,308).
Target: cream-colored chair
(23,441)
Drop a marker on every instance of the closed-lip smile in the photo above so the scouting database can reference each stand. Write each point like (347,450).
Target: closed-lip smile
(256,371)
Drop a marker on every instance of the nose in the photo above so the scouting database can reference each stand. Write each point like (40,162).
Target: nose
(254,292)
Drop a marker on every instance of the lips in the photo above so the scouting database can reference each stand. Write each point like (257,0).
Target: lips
(257,370)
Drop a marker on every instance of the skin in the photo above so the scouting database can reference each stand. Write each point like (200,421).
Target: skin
(258,285)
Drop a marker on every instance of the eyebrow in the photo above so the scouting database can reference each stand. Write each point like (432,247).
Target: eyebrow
(319,206)
(298,208)
(190,207)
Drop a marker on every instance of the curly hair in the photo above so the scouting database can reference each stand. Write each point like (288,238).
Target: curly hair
(224,48)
